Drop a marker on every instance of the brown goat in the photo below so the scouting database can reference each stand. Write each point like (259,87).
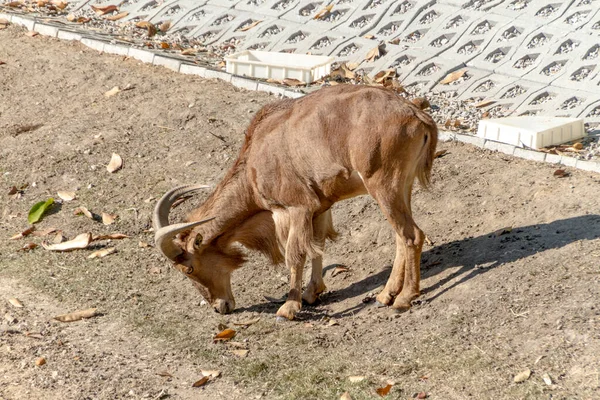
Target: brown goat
(299,158)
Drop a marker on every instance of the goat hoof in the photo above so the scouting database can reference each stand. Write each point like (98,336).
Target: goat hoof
(379,304)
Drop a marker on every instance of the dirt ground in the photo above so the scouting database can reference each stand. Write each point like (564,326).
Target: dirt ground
(492,305)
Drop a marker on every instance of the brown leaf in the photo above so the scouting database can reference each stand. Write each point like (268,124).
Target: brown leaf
(561,173)
(147,25)
(101,10)
(225,334)
(83,20)
(453,76)
(66,196)
(15,302)
(112,92)
(503,231)
(384,390)
(369,36)
(14,4)
(80,242)
(293,82)
(522,376)
(29,246)
(352,66)
(385,74)
(115,164)
(485,103)
(82,210)
(108,219)
(103,253)
(118,16)
(77,315)
(32,34)
(201,382)
(165,26)
(578,146)
(339,269)
(343,72)
(165,45)
(60,4)
(240,353)
(111,236)
(40,361)
(395,41)
(440,153)
(26,232)
(13,190)
(58,238)
(1,62)
(345,396)
(324,12)
(249,26)
(247,322)
(188,52)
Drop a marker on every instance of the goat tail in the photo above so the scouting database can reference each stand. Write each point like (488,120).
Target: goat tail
(427,155)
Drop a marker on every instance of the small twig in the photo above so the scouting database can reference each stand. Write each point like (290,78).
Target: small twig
(519,315)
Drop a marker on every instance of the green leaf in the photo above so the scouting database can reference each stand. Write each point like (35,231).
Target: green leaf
(38,209)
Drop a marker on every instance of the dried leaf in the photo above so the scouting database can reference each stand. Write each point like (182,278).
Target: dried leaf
(201,382)
(343,72)
(561,173)
(83,20)
(578,146)
(40,361)
(58,238)
(44,232)
(108,219)
(118,16)
(485,103)
(352,66)
(38,210)
(29,246)
(112,92)
(503,231)
(111,236)
(26,232)
(13,190)
(547,380)
(77,315)
(240,353)
(323,12)
(147,25)
(225,334)
(188,52)
(14,4)
(66,196)
(345,396)
(453,76)
(356,378)
(103,253)
(293,82)
(61,5)
(339,269)
(385,74)
(384,390)
(247,322)
(71,17)
(80,242)
(369,36)
(522,376)
(15,302)
(440,153)
(82,210)
(115,164)
(165,26)
(165,45)
(373,54)
(249,26)
(395,41)
(214,373)
(101,10)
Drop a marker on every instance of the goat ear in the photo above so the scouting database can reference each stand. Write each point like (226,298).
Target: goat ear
(198,241)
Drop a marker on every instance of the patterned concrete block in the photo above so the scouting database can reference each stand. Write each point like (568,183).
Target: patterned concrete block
(167,62)
(529,154)
(191,69)
(142,55)
(97,45)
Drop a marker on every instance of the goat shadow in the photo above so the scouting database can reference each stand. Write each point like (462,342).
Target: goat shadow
(474,256)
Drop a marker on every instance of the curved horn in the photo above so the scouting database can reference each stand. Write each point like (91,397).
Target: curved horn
(160,217)
(165,233)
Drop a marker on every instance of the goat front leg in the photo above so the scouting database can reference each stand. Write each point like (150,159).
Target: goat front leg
(322,227)
(299,243)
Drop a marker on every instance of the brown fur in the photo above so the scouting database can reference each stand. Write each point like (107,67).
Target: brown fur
(300,157)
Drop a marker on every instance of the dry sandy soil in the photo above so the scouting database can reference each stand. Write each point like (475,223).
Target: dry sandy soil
(492,305)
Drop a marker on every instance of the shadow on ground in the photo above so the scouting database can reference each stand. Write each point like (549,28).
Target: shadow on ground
(473,256)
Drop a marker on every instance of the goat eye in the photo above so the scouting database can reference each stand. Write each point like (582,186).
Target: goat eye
(198,241)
